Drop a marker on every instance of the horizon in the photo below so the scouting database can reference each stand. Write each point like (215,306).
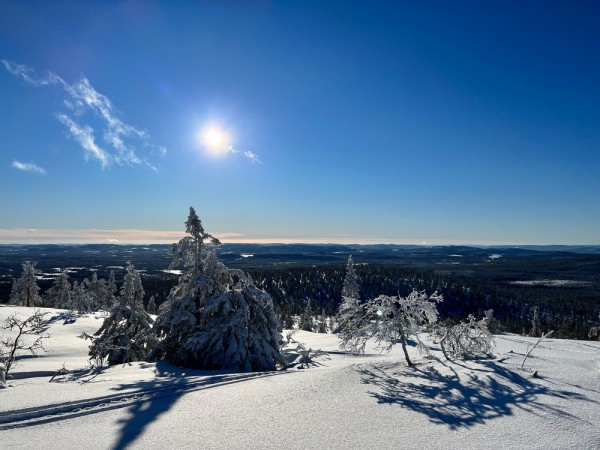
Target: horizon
(310,122)
(345,241)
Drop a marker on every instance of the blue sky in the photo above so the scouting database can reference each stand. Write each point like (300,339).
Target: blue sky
(347,121)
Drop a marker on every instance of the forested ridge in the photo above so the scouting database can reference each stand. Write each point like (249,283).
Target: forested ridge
(565,287)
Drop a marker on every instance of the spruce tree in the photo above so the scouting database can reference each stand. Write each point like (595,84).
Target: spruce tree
(215,318)
(124,334)
(306,320)
(25,290)
(59,295)
(350,312)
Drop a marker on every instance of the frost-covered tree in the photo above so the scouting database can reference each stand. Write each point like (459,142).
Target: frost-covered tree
(306,319)
(536,326)
(151,305)
(469,339)
(97,291)
(123,336)
(492,323)
(25,290)
(112,290)
(350,288)
(215,317)
(26,336)
(240,332)
(350,312)
(59,295)
(80,300)
(390,320)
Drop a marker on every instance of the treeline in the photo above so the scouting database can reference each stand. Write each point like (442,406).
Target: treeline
(570,311)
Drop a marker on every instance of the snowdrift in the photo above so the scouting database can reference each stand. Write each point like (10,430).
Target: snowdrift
(343,401)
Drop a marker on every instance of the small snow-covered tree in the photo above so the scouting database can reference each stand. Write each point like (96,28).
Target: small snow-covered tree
(112,290)
(536,326)
(215,318)
(469,339)
(151,305)
(123,336)
(492,323)
(80,300)
(26,336)
(350,312)
(350,288)
(390,320)
(25,290)
(97,291)
(306,319)
(59,295)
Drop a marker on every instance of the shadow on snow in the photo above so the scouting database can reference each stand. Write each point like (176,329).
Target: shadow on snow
(481,393)
(171,382)
(145,400)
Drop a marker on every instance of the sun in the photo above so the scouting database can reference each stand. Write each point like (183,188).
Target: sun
(215,140)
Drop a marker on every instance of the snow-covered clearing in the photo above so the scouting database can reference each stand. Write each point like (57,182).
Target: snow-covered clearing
(372,401)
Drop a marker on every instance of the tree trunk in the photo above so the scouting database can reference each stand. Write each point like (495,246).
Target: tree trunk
(443,347)
(403,341)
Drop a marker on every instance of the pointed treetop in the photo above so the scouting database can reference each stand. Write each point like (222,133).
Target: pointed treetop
(193,226)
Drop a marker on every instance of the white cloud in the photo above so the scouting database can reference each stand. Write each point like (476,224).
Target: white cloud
(121,139)
(28,167)
(85,137)
(252,157)
(246,154)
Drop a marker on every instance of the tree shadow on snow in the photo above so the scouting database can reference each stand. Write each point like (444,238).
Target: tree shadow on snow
(164,391)
(145,400)
(479,394)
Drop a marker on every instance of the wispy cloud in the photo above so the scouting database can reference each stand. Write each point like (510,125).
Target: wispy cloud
(28,167)
(121,140)
(84,135)
(252,157)
(246,154)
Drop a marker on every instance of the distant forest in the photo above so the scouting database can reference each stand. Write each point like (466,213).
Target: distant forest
(570,311)
(564,287)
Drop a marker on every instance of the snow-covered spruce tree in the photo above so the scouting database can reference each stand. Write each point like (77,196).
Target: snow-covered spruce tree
(111,287)
(306,319)
(59,295)
(469,339)
(97,291)
(390,320)
(350,312)
(151,305)
(25,290)
(215,318)
(80,300)
(350,288)
(123,336)
(536,326)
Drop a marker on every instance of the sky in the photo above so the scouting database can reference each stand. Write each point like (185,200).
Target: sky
(299,121)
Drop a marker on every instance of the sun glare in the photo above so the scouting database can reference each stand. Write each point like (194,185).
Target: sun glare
(215,140)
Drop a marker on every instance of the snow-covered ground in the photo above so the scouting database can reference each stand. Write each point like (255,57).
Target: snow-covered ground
(371,401)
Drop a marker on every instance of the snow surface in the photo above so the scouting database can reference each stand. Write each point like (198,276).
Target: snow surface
(346,401)
(552,283)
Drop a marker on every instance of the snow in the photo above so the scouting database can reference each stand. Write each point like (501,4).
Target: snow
(552,283)
(173,271)
(371,401)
